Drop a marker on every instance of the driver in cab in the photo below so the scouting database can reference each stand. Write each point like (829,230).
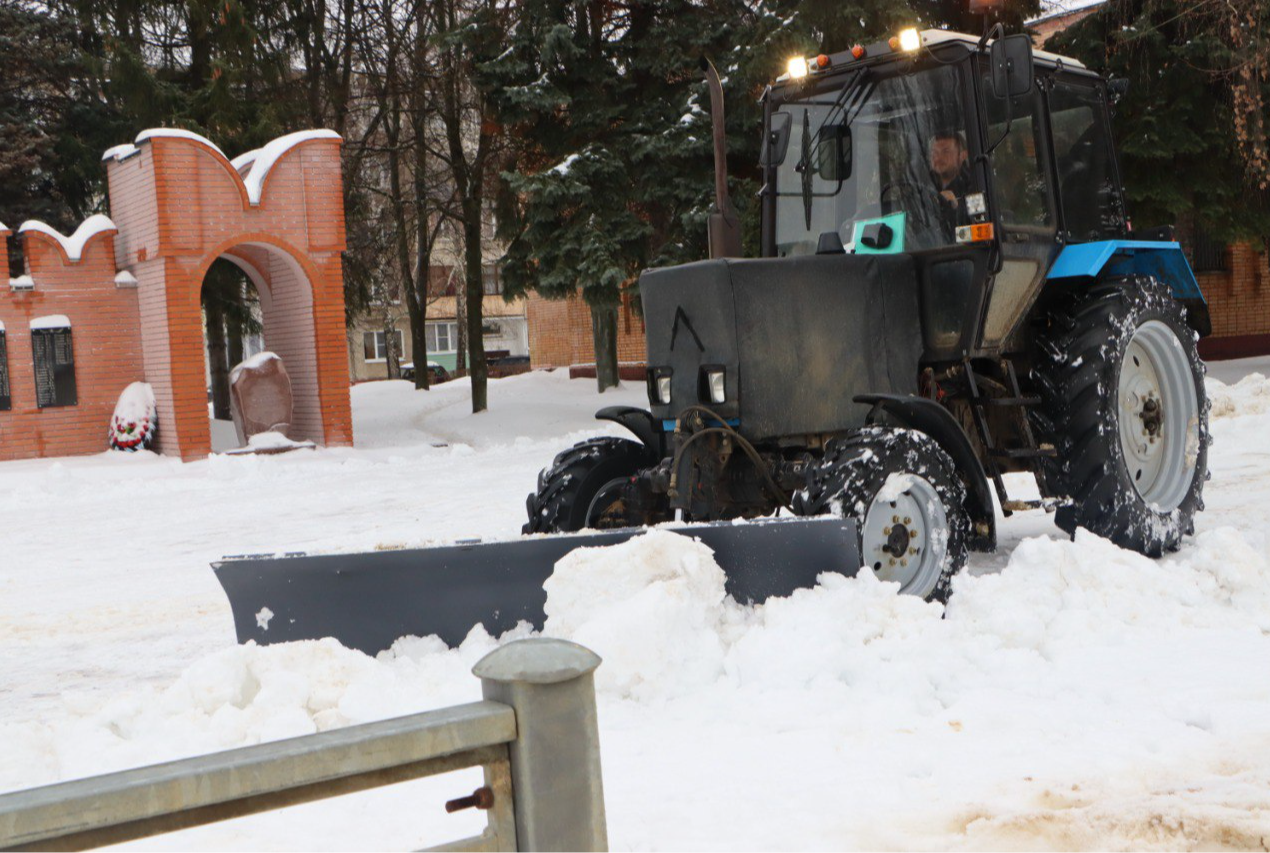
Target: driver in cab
(950,171)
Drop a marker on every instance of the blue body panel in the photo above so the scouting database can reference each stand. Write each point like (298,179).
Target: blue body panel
(1164,261)
(668,424)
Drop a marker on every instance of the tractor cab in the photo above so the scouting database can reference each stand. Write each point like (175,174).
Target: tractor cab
(979,158)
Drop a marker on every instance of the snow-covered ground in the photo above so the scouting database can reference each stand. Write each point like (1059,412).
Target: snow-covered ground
(1075,695)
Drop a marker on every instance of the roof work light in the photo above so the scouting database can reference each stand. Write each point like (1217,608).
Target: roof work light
(797,67)
(910,40)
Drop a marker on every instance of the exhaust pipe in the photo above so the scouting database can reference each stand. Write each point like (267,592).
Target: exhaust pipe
(723,225)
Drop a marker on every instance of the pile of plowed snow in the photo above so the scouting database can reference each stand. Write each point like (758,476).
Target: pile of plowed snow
(1079,664)
(1249,396)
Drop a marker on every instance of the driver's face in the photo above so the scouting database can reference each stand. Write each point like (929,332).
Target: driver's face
(946,157)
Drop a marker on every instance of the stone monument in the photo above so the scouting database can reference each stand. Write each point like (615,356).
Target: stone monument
(260,397)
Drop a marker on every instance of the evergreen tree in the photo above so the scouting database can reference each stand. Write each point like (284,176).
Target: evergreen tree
(614,168)
(605,100)
(47,110)
(1195,107)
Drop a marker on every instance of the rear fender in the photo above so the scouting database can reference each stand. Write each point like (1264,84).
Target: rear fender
(641,423)
(933,419)
(1160,259)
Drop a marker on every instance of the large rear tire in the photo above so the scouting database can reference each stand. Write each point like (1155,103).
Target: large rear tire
(581,488)
(903,491)
(1123,403)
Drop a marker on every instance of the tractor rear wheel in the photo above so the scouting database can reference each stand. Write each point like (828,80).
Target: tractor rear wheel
(908,502)
(1123,403)
(583,488)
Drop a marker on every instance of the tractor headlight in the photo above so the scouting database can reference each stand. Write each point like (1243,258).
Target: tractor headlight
(797,68)
(659,385)
(910,40)
(663,389)
(975,204)
(714,382)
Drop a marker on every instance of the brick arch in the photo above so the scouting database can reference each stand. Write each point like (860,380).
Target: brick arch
(180,204)
(283,280)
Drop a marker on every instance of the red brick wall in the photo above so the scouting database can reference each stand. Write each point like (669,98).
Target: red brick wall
(180,205)
(560,333)
(104,335)
(1239,304)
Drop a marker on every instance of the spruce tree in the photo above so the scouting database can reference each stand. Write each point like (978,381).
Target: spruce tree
(1190,130)
(614,168)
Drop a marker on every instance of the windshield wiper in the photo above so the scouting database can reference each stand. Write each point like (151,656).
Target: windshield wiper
(849,101)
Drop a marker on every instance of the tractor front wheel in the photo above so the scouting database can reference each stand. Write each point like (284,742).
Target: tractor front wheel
(583,488)
(1123,404)
(908,502)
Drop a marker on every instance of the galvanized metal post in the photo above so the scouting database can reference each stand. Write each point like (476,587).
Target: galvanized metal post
(555,759)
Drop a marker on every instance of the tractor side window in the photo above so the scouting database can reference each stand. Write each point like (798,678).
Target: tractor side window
(1082,155)
(1022,194)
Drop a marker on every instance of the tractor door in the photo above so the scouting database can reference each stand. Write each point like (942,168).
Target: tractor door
(1024,207)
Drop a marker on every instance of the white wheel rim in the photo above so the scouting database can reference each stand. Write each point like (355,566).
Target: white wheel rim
(906,507)
(1158,416)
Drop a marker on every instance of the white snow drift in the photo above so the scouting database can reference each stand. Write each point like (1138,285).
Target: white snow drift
(1073,695)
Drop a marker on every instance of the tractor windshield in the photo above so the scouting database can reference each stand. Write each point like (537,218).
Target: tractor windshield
(879,160)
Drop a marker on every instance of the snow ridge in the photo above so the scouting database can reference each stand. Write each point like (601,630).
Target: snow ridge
(73,245)
(265,158)
(252,363)
(258,161)
(51,321)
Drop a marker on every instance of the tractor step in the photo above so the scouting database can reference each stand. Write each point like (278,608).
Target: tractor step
(1047,504)
(1010,401)
(1042,452)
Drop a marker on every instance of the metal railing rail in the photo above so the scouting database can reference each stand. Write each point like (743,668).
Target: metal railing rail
(535,735)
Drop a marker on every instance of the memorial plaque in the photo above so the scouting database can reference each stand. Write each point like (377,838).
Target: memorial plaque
(260,397)
(5,401)
(54,367)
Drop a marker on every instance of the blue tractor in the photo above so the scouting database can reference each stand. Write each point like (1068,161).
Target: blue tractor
(949,290)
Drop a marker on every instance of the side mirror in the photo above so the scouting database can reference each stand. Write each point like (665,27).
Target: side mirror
(833,153)
(1012,69)
(776,142)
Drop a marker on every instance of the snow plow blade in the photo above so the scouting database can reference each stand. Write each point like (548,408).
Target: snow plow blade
(367,601)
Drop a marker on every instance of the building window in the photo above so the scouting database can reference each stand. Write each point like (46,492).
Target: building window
(442,337)
(490,281)
(1207,255)
(375,345)
(441,281)
(54,357)
(4,371)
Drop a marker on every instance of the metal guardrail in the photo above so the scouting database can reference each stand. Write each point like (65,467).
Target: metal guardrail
(535,734)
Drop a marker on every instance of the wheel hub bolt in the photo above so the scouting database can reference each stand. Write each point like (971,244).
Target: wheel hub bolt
(897,539)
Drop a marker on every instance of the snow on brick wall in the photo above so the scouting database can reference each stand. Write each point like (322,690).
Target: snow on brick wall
(105,340)
(132,298)
(280,214)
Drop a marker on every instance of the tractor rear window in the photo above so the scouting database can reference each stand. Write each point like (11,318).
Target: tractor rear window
(875,149)
(1082,155)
